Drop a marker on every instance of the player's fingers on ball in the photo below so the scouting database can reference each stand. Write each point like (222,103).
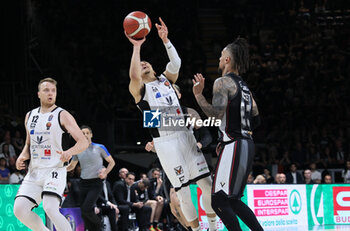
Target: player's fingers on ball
(193,81)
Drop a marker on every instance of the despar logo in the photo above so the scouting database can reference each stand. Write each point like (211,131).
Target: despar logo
(315,200)
(151,118)
(295,202)
(8,191)
(341,201)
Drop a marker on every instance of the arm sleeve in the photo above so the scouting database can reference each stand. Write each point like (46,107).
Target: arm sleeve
(175,62)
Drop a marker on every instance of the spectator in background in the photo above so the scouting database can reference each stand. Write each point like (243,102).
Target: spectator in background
(282,178)
(285,160)
(4,172)
(260,179)
(125,196)
(122,173)
(18,142)
(298,154)
(268,177)
(16,177)
(327,179)
(140,188)
(315,175)
(155,193)
(307,177)
(340,153)
(250,179)
(346,172)
(143,176)
(294,177)
(107,206)
(10,159)
(7,140)
(329,157)
(277,178)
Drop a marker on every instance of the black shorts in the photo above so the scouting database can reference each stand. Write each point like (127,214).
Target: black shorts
(233,166)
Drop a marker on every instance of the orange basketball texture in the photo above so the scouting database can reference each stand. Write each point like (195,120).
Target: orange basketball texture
(137,24)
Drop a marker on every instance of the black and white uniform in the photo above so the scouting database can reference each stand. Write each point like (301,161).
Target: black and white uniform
(236,147)
(175,145)
(46,172)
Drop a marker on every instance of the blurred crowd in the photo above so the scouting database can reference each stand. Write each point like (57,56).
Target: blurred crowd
(299,71)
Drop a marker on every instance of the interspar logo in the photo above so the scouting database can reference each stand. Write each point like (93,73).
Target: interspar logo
(271,202)
(341,204)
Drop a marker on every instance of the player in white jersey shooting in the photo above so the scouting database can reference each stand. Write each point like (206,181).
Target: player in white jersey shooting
(46,178)
(176,147)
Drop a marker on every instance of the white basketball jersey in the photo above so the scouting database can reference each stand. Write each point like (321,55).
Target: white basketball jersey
(160,94)
(45,138)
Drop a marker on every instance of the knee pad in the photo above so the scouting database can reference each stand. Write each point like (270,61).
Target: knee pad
(205,185)
(187,207)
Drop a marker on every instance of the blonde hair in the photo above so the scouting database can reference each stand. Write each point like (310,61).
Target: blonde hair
(50,80)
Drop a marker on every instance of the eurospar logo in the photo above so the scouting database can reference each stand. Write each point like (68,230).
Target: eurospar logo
(156,119)
(341,204)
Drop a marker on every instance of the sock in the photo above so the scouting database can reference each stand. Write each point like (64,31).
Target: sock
(197,228)
(212,223)
(155,224)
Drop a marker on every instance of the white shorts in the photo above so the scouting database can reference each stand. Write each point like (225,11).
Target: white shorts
(43,181)
(180,158)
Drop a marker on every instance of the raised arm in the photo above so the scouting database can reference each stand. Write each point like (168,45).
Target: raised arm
(25,154)
(135,85)
(223,87)
(69,123)
(173,67)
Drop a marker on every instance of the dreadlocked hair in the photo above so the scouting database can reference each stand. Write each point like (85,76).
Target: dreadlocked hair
(239,51)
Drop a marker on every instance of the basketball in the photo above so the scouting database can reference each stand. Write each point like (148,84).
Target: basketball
(137,24)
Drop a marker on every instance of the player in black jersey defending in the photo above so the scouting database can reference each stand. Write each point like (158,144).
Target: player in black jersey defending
(233,103)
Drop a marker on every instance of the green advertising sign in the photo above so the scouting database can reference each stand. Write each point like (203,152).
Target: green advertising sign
(328,204)
(8,221)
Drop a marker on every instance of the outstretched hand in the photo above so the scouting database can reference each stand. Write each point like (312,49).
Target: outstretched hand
(134,41)
(198,84)
(162,31)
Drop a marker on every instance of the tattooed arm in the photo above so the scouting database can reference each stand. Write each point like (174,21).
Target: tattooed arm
(223,90)
(255,110)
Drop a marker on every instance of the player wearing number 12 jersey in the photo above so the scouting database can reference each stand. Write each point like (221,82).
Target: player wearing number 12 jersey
(46,178)
(234,105)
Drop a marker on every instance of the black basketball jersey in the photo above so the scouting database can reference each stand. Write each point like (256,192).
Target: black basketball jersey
(236,120)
